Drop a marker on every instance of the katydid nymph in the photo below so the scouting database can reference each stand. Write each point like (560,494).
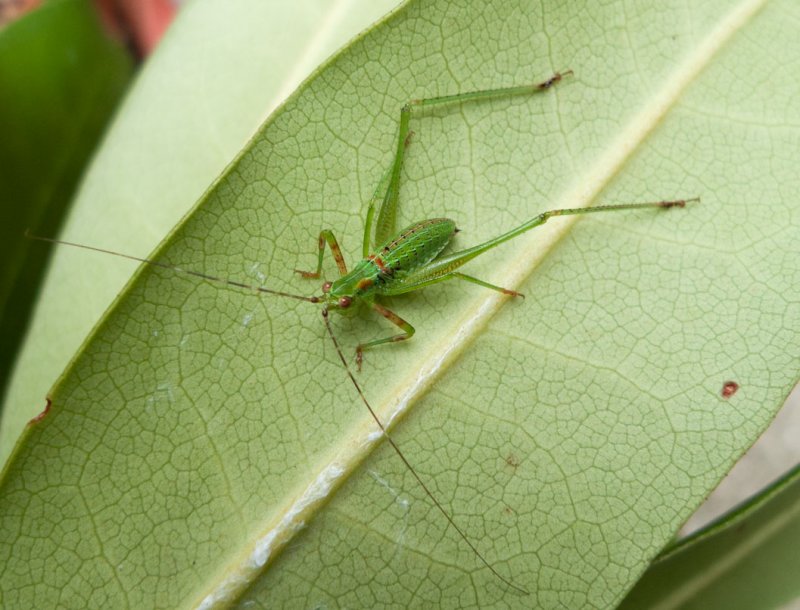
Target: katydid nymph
(395,263)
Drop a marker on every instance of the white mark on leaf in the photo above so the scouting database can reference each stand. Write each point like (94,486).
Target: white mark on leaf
(399,500)
(257,273)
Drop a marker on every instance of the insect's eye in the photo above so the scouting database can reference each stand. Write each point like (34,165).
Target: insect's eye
(326,287)
(345,302)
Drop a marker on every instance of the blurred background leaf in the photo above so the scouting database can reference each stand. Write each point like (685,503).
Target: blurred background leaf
(61,78)
(748,559)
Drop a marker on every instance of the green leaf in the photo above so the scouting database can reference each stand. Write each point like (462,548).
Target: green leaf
(61,77)
(748,559)
(206,444)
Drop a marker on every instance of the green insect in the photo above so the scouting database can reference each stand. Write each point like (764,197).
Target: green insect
(410,260)
(405,262)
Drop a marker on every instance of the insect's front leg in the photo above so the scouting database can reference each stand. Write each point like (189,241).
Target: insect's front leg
(326,236)
(408,332)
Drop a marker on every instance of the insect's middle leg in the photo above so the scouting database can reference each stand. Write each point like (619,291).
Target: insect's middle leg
(326,236)
(479,282)
(408,332)
(429,277)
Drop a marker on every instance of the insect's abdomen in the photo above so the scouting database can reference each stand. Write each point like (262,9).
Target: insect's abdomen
(414,246)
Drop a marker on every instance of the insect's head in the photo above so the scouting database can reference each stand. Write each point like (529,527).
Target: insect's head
(340,303)
(343,304)
(339,295)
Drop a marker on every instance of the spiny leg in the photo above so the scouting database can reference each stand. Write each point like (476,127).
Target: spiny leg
(378,197)
(387,215)
(326,236)
(444,267)
(408,332)
(450,262)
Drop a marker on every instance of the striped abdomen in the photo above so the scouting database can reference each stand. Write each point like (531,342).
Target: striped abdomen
(413,247)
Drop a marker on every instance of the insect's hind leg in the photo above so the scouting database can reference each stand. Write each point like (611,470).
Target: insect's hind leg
(381,199)
(387,216)
(326,236)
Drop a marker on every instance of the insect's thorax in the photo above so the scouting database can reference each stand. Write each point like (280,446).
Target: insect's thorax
(412,248)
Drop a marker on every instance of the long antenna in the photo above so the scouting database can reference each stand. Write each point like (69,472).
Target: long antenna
(204,276)
(408,464)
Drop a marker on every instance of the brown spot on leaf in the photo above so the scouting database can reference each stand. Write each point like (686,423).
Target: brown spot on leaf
(512,460)
(729,388)
(41,415)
